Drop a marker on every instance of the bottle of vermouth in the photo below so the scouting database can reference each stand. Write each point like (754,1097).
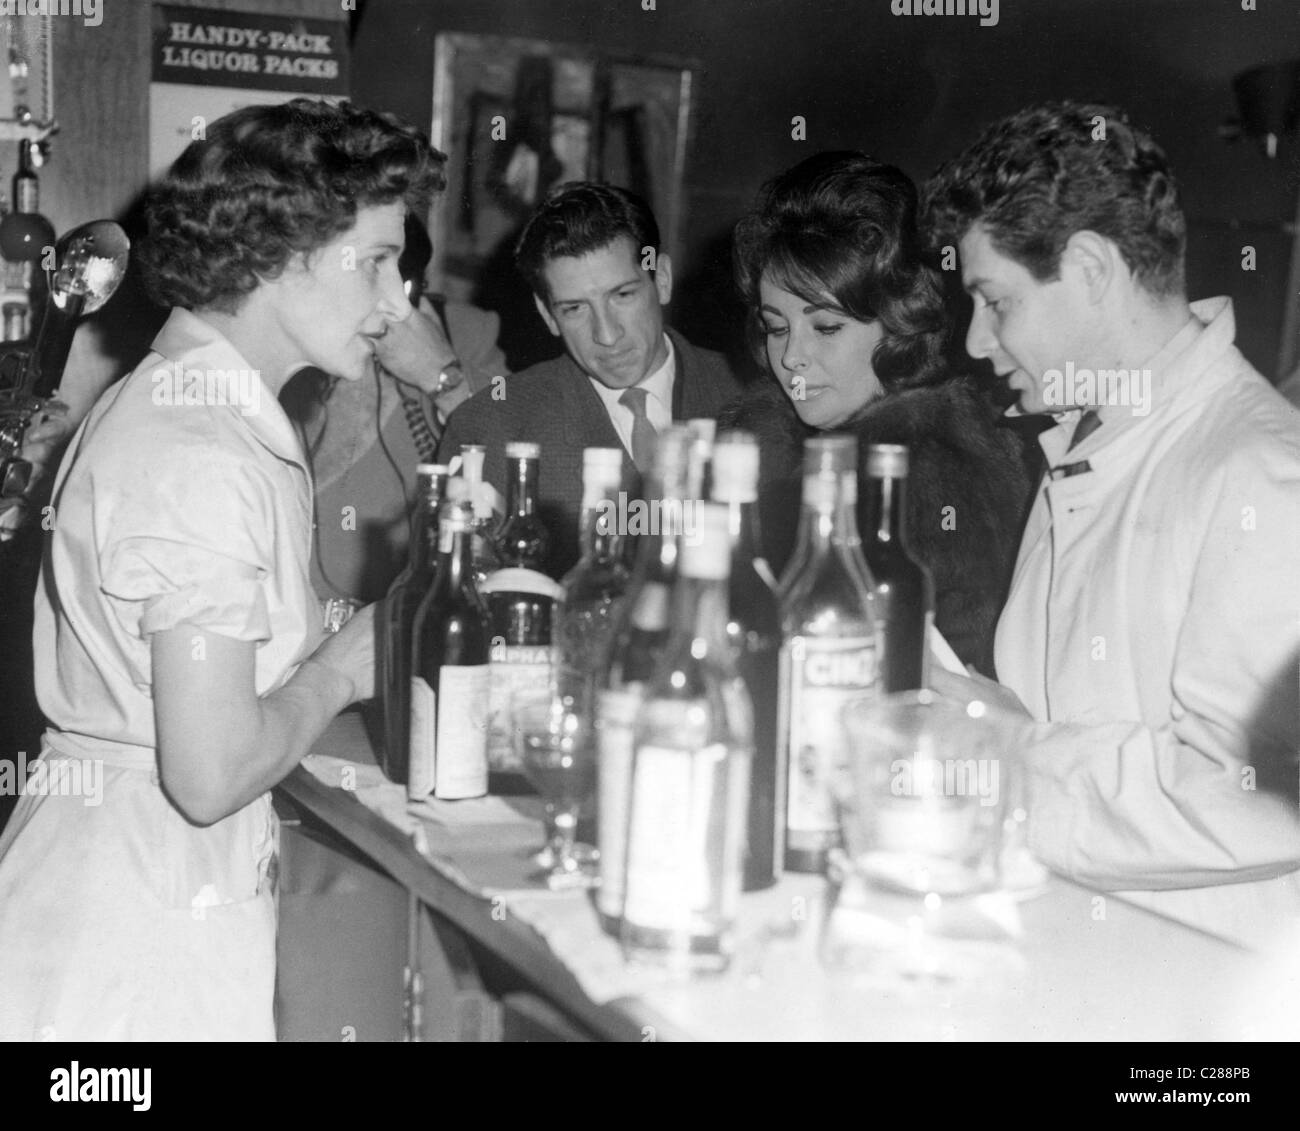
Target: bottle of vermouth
(754,629)
(522,603)
(594,587)
(828,652)
(450,678)
(522,610)
(693,745)
(523,541)
(396,619)
(637,643)
(903,593)
(482,530)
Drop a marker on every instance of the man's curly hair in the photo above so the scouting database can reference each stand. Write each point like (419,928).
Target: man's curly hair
(840,227)
(1034,179)
(269,182)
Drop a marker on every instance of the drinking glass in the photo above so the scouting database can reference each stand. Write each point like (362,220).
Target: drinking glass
(922,804)
(555,740)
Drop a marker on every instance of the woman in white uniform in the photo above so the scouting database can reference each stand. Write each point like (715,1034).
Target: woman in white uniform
(179,654)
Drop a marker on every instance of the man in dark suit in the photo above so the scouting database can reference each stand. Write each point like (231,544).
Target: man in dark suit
(591,255)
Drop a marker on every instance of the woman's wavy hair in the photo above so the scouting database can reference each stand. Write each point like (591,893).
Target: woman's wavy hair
(839,229)
(269,182)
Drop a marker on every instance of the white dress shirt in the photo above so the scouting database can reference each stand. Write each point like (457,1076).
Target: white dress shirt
(658,403)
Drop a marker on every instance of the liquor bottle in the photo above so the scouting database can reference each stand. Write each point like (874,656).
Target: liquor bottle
(523,540)
(522,610)
(828,651)
(481,529)
(450,678)
(903,593)
(702,430)
(637,642)
(26,184)
(396,617)
(693,745)
(594,587)
(754,629)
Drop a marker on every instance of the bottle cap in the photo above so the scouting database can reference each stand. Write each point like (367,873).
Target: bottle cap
(519,449)
(603,466)
(706,542)
(735,467)
(835,452)
(430,469)
(672,451)
(887,461)
(703,428)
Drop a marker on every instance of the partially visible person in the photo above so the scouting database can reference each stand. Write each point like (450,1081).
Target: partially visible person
(179,652)
(851,326)
(1149,649)
(365,438)
(600,281)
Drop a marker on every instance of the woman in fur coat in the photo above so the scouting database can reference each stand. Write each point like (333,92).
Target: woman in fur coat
(851,327)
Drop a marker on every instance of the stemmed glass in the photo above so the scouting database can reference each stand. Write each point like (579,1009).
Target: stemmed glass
(555,740)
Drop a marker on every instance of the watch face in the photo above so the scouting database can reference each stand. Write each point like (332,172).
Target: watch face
(452,377)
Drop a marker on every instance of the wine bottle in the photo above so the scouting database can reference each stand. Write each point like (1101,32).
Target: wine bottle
(637,642)
(693,745)
(523,541)
(754,629)
(828,651)
(26,184)
(450,678)
(395,620)
(903,593)
(594,587)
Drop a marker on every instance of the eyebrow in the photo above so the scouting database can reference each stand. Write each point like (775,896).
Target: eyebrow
(810,309)
(556,301)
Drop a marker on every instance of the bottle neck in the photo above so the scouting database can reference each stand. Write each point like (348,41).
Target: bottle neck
(521,487)
(458,544)
(600,538)
(883,506)
(424,538)
(699,615)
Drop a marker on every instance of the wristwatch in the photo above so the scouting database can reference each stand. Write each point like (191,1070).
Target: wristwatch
(452,376)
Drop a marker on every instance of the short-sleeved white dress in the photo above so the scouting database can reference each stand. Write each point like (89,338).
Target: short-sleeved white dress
(120,920)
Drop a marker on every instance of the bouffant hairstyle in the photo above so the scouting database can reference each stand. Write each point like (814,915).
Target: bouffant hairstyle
(269,182)
(839,230)
(1034,179)
(578,218)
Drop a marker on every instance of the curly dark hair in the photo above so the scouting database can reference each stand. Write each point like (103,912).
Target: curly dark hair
(269,182)
(581,217)
(842,225)
(1034,179)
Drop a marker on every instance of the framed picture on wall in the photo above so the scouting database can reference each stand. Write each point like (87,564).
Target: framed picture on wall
(517,117)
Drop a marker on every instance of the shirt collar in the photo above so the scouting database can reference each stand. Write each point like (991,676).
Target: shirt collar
(185,338)
(658,384)
(1174,371)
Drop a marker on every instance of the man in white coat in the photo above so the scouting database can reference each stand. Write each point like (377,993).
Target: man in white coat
(1152,630)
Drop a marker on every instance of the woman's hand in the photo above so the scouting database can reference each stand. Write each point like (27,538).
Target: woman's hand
(416,350)
(967,689)
(350,653)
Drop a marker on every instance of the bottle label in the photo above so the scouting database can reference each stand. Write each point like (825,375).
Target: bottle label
(461,748)
(424,721)
(819,678)
(668,873)
(616,717)
(515,668)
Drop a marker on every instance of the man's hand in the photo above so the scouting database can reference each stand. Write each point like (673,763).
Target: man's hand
(966,689)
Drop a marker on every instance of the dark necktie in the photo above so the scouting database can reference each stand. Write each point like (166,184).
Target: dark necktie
(1089,422)
(643,432)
